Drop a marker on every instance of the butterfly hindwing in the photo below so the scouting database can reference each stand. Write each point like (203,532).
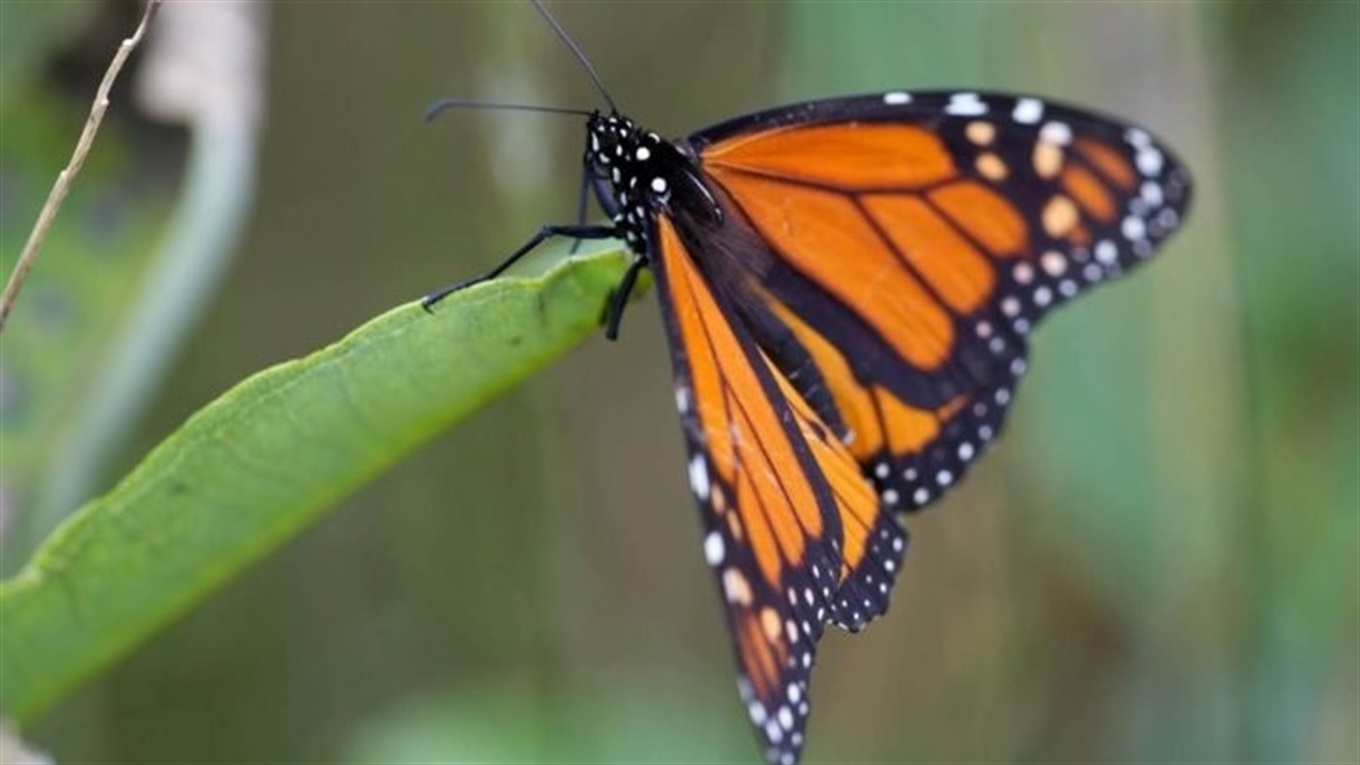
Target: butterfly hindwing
(785,508)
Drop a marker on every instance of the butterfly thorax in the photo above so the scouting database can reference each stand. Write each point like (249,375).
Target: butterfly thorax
(636,172)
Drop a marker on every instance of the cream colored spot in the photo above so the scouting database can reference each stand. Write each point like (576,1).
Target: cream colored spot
(1059,216)
(1048,159)
(980,132)
(991,167)
(718,500)
(734,526)
(769,621)
(735,586)
(1053,263)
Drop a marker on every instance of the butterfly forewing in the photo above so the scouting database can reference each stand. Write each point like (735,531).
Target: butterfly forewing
(918,238)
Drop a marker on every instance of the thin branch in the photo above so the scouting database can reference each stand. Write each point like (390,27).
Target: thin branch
(63,184)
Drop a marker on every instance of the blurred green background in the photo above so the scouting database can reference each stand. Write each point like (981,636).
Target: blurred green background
(1159,564)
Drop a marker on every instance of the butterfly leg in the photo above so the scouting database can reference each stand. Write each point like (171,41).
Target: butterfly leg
(581,202)
(543,235)
(619,300)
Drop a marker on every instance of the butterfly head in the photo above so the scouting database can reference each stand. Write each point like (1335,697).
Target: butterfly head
(633,170)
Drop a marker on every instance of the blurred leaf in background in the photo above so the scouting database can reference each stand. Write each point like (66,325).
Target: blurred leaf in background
(1158,564)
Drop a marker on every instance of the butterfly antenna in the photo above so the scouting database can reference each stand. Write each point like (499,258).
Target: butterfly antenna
(585,62)
(444,104)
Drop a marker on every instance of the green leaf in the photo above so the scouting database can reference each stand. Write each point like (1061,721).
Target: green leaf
(265,460)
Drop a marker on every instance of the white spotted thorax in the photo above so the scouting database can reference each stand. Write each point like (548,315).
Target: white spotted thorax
(636,165)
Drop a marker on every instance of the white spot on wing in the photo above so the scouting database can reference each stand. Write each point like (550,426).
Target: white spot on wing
(698,477)
(965,105)
(1028,111)
(1151,192)
(1149,161)
(1133,228)
(1106,252)
(1056,133)
(714,549)
(896,98)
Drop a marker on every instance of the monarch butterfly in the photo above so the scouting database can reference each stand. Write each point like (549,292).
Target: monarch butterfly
(846,287)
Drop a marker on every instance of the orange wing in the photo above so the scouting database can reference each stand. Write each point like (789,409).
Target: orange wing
(905,247)
(848,302)
(787,513)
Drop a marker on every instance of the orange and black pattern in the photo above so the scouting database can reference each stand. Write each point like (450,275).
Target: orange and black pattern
(847,287)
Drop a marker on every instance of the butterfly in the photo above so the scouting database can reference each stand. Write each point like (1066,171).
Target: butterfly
(847,288)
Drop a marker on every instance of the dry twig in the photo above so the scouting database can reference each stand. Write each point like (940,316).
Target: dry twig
(63,183)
